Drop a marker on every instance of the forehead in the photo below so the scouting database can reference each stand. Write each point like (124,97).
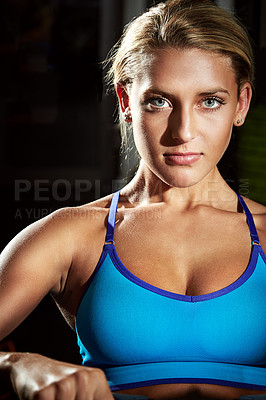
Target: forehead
(188,69)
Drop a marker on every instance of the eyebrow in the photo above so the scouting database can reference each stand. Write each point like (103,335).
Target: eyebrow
(210,92)
(214,91)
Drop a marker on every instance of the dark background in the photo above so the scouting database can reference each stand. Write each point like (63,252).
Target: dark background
(59,139)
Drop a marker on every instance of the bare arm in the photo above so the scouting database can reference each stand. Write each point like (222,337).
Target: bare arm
(35,262)
(31,265)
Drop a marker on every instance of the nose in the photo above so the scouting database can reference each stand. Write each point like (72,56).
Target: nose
(182,125)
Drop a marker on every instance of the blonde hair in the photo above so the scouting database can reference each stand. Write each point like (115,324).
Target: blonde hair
(181,24)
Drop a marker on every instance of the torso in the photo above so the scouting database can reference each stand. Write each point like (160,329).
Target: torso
(221,246)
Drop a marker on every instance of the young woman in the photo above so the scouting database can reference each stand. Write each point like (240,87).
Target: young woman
(165,280)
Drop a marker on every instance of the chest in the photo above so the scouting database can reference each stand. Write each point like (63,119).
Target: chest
(189,255)
(193,254)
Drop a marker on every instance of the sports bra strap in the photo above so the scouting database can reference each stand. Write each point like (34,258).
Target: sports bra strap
(252,227)
(111,218)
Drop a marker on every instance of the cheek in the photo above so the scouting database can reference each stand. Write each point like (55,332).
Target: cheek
(145,130)
(219,139)
(142,138)
(150,127)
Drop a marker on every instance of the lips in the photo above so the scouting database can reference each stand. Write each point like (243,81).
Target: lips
(182,158)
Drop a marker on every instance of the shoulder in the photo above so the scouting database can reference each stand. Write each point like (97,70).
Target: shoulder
(62,223)
(258,212)
(51,241)
(63,220)
(255,207)
(89,216)
(54,254)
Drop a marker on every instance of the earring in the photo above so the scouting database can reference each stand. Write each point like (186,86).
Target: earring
(127,114)
(239,121)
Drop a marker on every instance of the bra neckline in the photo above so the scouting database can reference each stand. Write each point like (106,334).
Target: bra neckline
(119,265)
(110,244)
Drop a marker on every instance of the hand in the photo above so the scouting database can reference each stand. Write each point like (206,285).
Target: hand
(35,377)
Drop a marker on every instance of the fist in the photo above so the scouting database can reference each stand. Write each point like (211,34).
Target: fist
(35,377)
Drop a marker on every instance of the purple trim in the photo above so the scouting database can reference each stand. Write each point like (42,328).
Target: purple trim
(261,253)
(239,282)
(134,385)
(110,248)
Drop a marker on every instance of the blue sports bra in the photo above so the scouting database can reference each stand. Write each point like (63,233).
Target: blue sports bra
(141,335)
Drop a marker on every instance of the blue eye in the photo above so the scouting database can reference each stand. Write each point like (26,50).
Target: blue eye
(211,103)
(158,102)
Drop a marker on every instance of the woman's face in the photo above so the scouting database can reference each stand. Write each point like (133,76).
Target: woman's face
(183,105)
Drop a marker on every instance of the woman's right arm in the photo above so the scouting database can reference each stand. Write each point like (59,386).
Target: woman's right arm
(35,377)
(34,263)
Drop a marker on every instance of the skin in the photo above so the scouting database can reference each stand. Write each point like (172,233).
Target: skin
(178,120)
(183,116)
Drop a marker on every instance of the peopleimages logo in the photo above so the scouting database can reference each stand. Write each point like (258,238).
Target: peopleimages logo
(64,190)
(244,187)
(55,192)
(61,189)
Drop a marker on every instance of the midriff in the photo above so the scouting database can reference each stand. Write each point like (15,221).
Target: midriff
(191,391)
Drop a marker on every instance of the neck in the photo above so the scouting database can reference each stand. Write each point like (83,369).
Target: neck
(146,188)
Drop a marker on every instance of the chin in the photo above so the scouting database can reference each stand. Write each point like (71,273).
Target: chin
(180,181)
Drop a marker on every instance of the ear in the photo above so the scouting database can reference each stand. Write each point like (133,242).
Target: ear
(243,104)
(124,102)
